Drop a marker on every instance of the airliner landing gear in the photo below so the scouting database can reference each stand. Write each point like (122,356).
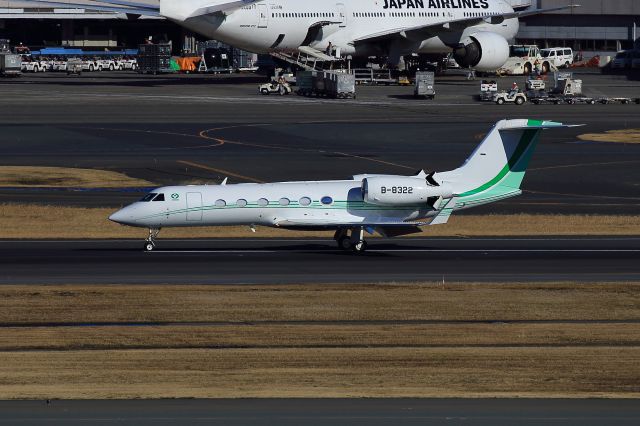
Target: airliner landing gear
(150,242)
(354,242)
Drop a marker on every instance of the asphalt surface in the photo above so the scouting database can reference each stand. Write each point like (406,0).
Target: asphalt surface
(187,129)
(266,261)
(370,412)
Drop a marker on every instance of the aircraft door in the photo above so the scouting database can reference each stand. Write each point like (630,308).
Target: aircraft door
(263,16)
(342,14)
(194,206)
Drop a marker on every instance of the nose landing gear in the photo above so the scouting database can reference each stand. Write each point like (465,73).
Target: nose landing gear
(354,242)
(150,242)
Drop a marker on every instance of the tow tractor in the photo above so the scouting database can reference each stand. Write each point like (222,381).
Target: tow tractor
(513,96)
(275,87)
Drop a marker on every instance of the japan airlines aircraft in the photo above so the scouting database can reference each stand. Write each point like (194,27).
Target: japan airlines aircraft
(387,204)
(476,31)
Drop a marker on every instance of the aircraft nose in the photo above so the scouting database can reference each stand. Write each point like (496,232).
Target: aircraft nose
(121,217)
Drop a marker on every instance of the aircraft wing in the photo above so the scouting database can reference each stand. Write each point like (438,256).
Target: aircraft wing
(115,6)
(385,228)
(425,31)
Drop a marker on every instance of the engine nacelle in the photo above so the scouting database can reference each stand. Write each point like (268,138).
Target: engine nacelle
(401,190)
(483,51)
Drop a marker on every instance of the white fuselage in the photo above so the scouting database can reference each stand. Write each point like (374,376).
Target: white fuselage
(284,25)
(286,204)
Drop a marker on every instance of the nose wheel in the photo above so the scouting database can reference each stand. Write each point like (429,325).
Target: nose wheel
(150,242)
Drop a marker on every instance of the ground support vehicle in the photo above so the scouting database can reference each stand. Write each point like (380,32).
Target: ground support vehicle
(523,60)
(512,96)
(89,65)
(488,90)
(331,84)
(425,85)
(106,65)
(127,64)
(59,66)
(74,66)
(155,59)
(275,87)
(373,77)
(560,57)
(10,65)
(33,66)
(623,101)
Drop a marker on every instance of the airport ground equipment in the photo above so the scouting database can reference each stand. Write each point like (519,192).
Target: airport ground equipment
(488,90)
(373,77)
(74,66)
(425,85)
(512,97)
(10,65)
(274,88)
(390,205)
(332,84)
(154,59)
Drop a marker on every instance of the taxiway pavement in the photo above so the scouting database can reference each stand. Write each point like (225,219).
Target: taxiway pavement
(315,412)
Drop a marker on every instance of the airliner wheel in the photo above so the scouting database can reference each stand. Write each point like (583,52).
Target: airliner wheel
(344,243)
(359,247)
(149,246)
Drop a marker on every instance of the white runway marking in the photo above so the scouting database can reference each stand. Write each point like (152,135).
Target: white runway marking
(407,250)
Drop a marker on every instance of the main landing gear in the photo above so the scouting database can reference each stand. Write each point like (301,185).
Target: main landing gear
(354,242)
(150,242)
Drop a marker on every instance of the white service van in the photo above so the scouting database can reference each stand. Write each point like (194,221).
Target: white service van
(561,57)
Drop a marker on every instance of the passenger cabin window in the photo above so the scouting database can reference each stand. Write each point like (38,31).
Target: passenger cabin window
(284,201)
(241,202)
(305,201)
(221,203)
(160,197)
(263,202)
(149,197)
(326,200)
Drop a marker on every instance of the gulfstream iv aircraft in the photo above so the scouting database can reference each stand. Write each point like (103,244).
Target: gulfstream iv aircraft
(387,204)
(476,31)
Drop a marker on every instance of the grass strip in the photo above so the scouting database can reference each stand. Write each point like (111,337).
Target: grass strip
(62,177)
(29,221)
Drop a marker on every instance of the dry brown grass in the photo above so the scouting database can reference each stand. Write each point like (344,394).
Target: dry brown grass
(246,341)
(313,335)
(58,177)
(35,221)
(365,372)
(336,302)
(617,136)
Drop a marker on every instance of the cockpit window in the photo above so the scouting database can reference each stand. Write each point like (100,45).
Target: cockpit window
(149,196)
(160,197)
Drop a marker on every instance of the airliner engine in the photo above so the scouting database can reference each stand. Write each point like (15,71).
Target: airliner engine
(483,51)
(402,190)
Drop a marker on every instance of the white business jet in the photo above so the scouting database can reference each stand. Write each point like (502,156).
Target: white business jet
(476,31)
(387,204)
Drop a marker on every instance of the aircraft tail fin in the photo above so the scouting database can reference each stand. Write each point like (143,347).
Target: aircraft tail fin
(496,168)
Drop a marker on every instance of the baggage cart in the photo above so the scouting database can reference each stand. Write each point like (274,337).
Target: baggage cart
(425,85)
(154,59)
(10,65)
(488,90)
